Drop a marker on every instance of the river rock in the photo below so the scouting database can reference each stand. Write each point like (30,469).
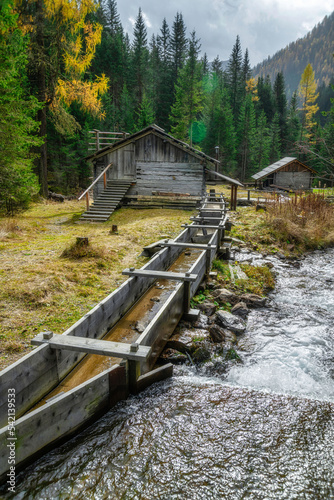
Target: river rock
(201,354)
(217,333)
(183,340)
(207,307)
(230,337)
(222,295)
(253,300)
(230,321)
(173,356)
(240,309)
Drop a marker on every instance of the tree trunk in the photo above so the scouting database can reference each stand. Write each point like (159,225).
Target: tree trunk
(42,166)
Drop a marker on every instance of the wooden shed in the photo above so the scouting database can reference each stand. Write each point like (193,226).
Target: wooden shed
(148,169)
(287,173)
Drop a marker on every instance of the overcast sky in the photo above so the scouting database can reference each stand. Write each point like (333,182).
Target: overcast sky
(264,26)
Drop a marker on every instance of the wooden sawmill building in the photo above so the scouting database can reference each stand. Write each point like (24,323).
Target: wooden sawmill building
(287,173)
(150,169)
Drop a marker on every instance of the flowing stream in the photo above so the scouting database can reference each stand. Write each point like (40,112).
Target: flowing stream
(263,430)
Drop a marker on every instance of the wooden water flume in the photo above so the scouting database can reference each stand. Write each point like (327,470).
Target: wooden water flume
(48,408)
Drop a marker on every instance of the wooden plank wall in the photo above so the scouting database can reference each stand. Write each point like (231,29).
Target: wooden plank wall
(63,416)
(169,177)
(146,160)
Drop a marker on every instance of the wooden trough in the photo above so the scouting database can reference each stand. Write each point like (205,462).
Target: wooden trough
(36,426)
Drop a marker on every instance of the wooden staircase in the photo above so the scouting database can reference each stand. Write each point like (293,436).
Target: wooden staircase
(102,208)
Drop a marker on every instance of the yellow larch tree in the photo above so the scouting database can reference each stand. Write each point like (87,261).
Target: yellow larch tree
(308,95)
(62,46)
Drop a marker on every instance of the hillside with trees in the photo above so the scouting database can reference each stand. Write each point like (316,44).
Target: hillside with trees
(316,48)
(68,68)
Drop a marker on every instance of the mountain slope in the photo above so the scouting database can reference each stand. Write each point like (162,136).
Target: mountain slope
(316,47)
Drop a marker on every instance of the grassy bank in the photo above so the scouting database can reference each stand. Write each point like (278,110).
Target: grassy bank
(44,284)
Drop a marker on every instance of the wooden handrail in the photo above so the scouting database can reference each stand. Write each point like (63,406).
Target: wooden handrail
(94,182)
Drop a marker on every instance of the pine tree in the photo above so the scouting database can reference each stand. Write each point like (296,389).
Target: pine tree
(140,57)
(281,106)
(219,123)
(17,124)
(126,111)
(266,98)
(275,140)
(163,77)
(189,94)
(293,126)
(246,68)
(145,113)
(260,145)
(245,134)
(178,45)
(235,77)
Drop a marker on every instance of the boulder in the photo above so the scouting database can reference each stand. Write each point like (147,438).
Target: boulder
(201,354)
(183,339)
(207,307)
(173,356)
(217,333)
(230,337)
(230,321)
(223,296)
(240,309)
(253,300)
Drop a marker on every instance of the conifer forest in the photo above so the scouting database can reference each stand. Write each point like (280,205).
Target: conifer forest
(67,68)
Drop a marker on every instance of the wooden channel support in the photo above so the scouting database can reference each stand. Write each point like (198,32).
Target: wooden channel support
(93,346)
(208,248)
(186,278)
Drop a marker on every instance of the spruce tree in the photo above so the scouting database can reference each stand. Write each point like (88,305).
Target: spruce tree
(281,106)
(293,126)
(140,57)
(189,94)
(261,145)
(178,45)
(245,135)
(266,100)
(163,76)
(246,68)
(235,78)
(275,140)
(18,127)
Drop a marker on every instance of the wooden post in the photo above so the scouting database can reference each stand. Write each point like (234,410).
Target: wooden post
(105,180)
(208,259)
(186,296)
(87,200)
(248,195)
(133,370)
(97,139)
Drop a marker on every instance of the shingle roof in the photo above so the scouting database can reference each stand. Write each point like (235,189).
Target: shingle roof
(276,166)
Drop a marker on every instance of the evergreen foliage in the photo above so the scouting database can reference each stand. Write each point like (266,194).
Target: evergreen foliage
(18,183)
(64,59)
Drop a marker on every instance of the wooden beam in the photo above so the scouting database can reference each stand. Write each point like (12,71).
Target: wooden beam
(203,226)
(160,274)
(198,246)
(94,346)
